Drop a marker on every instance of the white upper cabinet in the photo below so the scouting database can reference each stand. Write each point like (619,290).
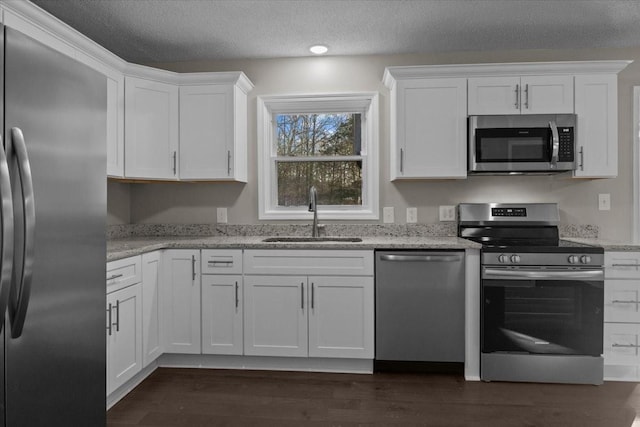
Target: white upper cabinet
(428,128)
(552,94)
(597,122)
(151,129)
(213,131)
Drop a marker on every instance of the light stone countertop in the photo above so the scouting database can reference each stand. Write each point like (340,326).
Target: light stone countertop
(608,245)
(123,248)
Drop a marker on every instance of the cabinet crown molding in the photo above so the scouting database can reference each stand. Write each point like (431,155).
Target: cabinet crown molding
(392,74)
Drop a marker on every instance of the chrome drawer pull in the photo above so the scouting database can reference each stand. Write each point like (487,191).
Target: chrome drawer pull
(619,301)
(625,265)
(115,276)
(220,262)
(625,345)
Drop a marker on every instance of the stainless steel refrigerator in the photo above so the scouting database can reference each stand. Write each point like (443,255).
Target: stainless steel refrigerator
(53,194)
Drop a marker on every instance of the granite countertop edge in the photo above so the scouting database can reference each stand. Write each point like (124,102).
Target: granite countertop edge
(124,248)
(607,245)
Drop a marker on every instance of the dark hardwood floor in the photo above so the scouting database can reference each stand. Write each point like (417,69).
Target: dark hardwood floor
(190,397)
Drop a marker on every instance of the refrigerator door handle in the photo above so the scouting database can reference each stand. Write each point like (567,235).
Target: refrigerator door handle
(6,254)
(19,295)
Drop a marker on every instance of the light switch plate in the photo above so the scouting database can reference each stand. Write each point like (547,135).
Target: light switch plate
(387,215)
(412,215)
(447,213)
(604,202)
(221,215)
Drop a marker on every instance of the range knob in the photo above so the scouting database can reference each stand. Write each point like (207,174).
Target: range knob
(503,258)
(515,259)
(573,259)
(585,259)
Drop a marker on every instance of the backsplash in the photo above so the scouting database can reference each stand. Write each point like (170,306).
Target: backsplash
(448,229)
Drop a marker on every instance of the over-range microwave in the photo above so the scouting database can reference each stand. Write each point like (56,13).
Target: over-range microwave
(522,144)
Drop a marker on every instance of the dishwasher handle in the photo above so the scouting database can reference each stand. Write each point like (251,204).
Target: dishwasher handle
(421,258)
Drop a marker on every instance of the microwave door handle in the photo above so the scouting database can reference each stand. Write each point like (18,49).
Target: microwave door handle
(555,144)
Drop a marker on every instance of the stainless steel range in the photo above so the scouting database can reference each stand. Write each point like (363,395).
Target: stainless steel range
(541,297)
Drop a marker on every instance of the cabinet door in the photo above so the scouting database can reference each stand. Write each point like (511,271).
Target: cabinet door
(597,121)
(494,95)
(341,317)
(622,344)
(124,336)
(152,341)
(181,301)
(206,132)
(151,129)
(546,94)
(115,125)
(275,316)
(622,300)
(222,314)
(431,125)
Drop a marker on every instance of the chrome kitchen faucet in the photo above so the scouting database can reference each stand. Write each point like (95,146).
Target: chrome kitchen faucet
(313,207)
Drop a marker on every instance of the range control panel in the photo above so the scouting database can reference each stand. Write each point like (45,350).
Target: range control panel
(542,259)
(508,211)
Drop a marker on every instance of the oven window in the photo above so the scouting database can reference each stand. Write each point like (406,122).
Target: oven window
(506,145)
(542,317)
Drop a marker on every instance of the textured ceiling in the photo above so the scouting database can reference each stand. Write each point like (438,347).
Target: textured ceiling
(147,31)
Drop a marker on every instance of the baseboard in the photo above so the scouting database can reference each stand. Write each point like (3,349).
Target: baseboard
(127,387)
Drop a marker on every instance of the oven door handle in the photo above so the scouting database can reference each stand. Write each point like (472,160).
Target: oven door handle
(523,274)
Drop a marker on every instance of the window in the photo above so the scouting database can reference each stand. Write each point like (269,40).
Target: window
(326,141)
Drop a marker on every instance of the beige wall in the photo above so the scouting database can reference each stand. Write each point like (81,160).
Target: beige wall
(196,203)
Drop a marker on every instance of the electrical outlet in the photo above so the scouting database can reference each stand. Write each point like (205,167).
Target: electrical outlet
(221,215)
(604,202)
(447,213)
(412,215)
(387,215)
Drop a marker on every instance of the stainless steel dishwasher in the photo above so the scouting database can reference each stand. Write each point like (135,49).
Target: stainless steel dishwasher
(419,306)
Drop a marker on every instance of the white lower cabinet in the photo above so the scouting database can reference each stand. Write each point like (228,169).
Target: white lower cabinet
(341,317)
(622,316)
(275,313)
(222,314)
(124,335)
(152,339)
(311,315)
(180,297)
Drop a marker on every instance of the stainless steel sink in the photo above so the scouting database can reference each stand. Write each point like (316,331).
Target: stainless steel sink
(296,239)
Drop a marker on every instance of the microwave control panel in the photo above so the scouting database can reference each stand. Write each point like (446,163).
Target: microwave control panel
(566,151)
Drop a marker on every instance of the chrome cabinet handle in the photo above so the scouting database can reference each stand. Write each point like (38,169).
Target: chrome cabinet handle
(555,144)
(117,308)
(526,96)
(115,276)
(312,296)
(237,299)
(175,162)
(109,325)
(225,263)
(581,165)
(401,160)
(6,257)
(625,265)
(19,295)
(625,345)
(302,296)
(228,162)
(619,301)
(193,268)
(517,97)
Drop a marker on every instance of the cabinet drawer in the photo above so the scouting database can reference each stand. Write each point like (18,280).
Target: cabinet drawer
(221,261)
(622,300)
(309,262)
(621,344)
(622,265)
(123,273)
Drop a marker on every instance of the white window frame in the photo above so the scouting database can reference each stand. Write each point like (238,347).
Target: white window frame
(364,103)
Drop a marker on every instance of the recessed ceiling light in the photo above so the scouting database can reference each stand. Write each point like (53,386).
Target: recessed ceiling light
(318,49)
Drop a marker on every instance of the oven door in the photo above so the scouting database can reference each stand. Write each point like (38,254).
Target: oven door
(542,310)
